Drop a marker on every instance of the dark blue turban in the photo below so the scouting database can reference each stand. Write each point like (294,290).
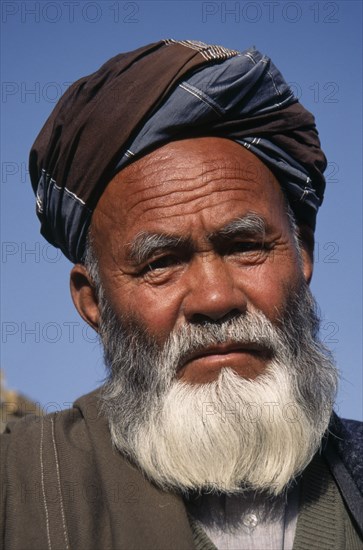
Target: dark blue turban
(162,92)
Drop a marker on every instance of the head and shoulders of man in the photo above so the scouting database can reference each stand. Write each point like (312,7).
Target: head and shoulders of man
(196,260)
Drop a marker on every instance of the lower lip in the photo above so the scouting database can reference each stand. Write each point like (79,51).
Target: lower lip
(247,363)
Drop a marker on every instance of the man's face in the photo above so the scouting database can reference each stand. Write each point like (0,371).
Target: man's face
(200,279)
(197,232)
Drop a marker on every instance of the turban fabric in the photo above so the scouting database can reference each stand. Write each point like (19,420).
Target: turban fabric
(166,91)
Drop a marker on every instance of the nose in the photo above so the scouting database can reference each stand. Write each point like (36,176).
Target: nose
(214,292)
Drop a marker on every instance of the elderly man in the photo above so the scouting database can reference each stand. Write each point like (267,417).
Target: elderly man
(183,181)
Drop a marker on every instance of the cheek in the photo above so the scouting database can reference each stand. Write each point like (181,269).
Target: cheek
(157,309)
(268,286)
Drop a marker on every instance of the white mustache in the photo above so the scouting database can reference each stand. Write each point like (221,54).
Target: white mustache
(251,330)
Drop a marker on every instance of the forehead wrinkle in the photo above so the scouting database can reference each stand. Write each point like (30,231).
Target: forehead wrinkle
(228,170)
(157,191)
(156,164)
(194,211)
(197,197)
(149,194)
(162,176)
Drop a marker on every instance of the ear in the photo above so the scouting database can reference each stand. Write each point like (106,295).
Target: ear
(84,296)
(307,241)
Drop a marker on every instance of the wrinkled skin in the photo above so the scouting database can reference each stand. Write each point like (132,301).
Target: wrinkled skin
(191,189)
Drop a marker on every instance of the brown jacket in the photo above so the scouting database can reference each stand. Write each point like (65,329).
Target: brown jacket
(65,487)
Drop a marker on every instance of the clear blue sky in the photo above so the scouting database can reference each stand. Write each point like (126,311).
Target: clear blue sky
(47,351)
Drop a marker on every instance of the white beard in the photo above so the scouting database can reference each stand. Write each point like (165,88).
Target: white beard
(227,435)
(231,434)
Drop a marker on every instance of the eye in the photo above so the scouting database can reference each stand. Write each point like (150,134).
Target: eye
(248,252)
(247,246)
(161,263)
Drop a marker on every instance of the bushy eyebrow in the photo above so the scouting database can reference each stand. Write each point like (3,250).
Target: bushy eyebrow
(249,225)
(146,244)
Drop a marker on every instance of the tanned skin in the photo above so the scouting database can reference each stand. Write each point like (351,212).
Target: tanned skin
(191,190)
